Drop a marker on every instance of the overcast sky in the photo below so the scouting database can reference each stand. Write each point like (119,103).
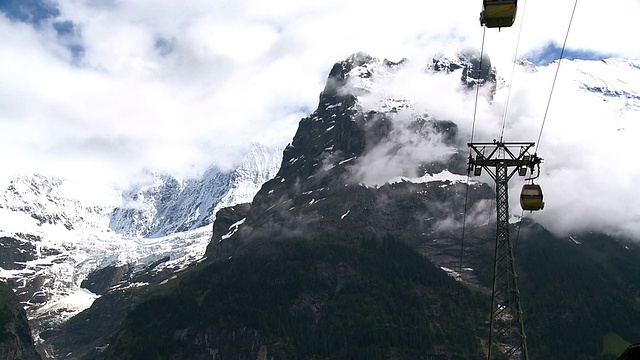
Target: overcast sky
(98,90)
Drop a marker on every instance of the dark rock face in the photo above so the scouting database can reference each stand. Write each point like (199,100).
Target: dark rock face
(14,252)
(227,217)
(100,281)
(87,335)
(223,225)
(15,334)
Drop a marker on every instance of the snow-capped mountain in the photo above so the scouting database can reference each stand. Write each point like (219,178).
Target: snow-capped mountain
(473,69)
(49,201)
(594,104)
(52,241)
(167,205)
(615,79)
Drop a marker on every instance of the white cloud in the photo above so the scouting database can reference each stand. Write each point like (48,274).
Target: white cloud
(165,85)
(588,141)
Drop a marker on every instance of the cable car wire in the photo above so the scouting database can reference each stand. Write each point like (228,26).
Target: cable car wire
(515,247)
(473,126)
(513,69)
(464,222)
(544,119)
(475,106)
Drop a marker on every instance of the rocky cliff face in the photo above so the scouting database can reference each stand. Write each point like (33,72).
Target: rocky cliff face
(15,334)
(350,170)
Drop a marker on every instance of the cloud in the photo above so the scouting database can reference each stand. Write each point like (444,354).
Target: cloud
(588,140)
(415,95)
(481,214)
(589,146)
(399,153)
(109,88)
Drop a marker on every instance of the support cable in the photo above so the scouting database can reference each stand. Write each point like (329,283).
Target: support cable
(466,194)
(464,220)
(473,126)
(515,246)
(475,107)
(513,69)
(544,119)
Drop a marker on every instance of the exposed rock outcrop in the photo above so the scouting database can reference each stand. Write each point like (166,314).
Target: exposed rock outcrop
(15,335)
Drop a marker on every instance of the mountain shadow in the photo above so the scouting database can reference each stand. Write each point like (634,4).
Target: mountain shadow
(15,334)
(362,298)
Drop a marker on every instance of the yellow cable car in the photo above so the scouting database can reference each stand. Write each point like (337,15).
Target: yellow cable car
(498,13)
(531,197)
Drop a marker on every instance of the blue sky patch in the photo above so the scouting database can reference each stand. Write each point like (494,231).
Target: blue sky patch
(69,35)
(551,52)
(29,11)
(44,13)
(163,46)
(64,28)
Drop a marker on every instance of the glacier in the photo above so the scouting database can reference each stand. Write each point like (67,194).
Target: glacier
(60,240)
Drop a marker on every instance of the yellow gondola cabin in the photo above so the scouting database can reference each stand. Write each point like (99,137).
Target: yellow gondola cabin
(498,13)
(531,198)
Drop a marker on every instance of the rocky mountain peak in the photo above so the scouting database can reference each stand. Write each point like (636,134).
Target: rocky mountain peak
(343,156)
(341,130)
(357,73)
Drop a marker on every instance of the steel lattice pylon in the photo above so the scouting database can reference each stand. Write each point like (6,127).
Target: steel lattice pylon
(506,323)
